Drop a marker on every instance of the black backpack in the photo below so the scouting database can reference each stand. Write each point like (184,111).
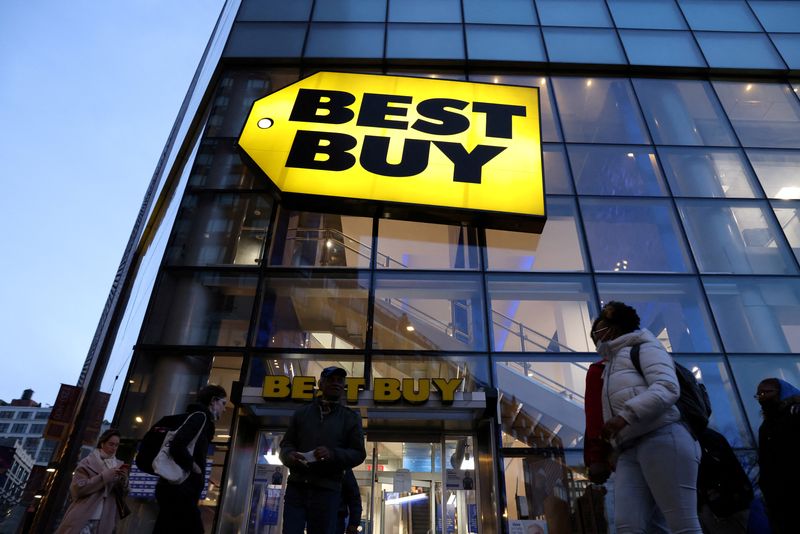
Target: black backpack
(152,441)
(722,483)
(693,403)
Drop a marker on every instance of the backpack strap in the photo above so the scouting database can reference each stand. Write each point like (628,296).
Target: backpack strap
(635,359)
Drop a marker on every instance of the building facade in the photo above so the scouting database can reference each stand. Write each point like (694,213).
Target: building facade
(24,419)
(671,153)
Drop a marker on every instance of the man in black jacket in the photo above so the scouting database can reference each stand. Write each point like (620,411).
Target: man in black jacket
(323,439)
(178,511)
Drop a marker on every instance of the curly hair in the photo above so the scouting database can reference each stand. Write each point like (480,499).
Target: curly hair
(620,315)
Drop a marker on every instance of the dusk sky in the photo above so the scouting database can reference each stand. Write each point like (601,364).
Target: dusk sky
(88,93)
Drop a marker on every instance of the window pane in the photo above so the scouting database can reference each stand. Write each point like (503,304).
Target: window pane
(274,10)
(201,309)
(556,172)
(752,369)
(721,15)
(428,312)
(739,50)
(633,235)
(777,170)
(219,229)
(789,47)
(788,214)
(304,364)
(778,16)
(414,245)
(707,172)
(655,14)
(356,40)
(557,248)
(672,308)
(307,239)
(500,11)
(425,41)
(505,43)
(540,313)
(350,10)
(756,314)
(573,13)
(219,166)
(599,110)
(734,237)
(615,170)
(654,47)
(586,45)
(314,312)
(424,11)
(473,369)
(683,112)
(266,39)
(763,114)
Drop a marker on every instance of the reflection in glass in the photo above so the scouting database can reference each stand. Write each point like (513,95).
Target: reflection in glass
(557,248)
(573,13)
(683,112)
(541,313)
(275,10)
(474,370)
(414,245)
(507,43)
(428,312)
(789,47)
(615,170)
(719,15)
(661,47)
(350,10)
(314,312)
(735,238)
(788,214)
(301,365)
(778,16)
(739,50)
(648,14)
(556,172)
(505,12)
(763,114)
(425,41)
(425,11)
(708,172)
(219,166)
(749,370)
(777,170)
(583,45)
(672,308)
(633,235)
(266,40)
(756,314)
(348,40)
(599,110)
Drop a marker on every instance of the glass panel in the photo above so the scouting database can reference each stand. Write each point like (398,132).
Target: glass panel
(500,12)
(428,312)
(556,172)
(756,314)
(573,13)
(652,14)
(550,128)
(557,248)
(268,487)
(672,308)
(413,245)
(763,114)
(219,166)
(473,369)
(788,214)
(778,16)
(739,50)
(734,238)
(303,364)
(321,311)
(706,172)
(219,229)
(683,112)
(777,170)
(720,15)
(266,39)
(541,313)
(752,369)
(548,397)
(633,235)
(201,308)
(354,40)
(425,41)
(616,170)
(789,47)
(274,10)
(307,239)
(654,47)
(425,11)
(599,110)
(350,10)
(585,45)
(506,43)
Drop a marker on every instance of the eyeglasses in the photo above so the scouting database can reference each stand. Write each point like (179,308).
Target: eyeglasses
(764,393)
(595,332)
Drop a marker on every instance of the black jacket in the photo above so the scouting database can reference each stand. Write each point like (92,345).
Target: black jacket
(339,431)
(779,462)
(179,451)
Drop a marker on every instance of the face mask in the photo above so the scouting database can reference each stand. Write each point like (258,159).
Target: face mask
(604,349)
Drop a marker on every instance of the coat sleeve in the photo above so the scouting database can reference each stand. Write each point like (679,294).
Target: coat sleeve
(179,448)
(289,441)
(85,481)
(353,452)
(662,391)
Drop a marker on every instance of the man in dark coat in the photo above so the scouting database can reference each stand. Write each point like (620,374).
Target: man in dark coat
(350,507)
(178,509)
(324,439)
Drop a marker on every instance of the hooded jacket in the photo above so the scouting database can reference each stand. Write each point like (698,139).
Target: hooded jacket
(647,400)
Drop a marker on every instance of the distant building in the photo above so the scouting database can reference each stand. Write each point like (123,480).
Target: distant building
(15,468)
(24,419)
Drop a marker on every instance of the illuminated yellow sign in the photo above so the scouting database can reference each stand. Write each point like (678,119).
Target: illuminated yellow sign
(385,390)
(471,147)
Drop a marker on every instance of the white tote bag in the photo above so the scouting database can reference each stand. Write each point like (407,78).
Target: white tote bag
(164,465)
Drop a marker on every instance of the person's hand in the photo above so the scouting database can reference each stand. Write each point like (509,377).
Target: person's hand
(120,475)
(599,472)
(612,427)
(352,529)
(322,453)
(295,458)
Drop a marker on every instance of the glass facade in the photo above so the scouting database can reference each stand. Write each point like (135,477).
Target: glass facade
(668,187)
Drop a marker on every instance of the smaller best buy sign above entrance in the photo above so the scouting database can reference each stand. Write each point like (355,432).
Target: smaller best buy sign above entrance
(425,145)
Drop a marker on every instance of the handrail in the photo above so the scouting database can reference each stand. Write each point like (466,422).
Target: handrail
(336,231)
(561,389)
(524,327)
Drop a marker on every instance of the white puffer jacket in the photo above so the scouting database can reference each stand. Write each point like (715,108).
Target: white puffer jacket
(645,402)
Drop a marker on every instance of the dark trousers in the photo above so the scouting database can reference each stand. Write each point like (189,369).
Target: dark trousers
(178,512)
(310,507)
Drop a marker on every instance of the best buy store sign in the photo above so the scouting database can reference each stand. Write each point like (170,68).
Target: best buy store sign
(443,144)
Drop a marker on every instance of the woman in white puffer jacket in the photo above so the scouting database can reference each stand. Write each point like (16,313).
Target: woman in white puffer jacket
(657,455)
